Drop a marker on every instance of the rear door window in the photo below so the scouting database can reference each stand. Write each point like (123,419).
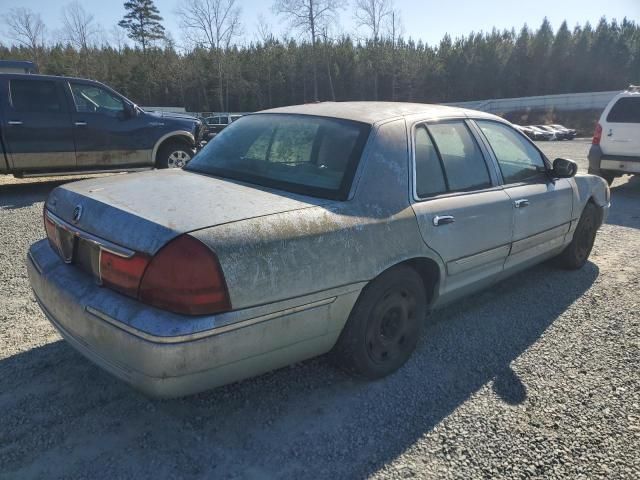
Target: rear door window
(625,110)
(36,96)
(462,159)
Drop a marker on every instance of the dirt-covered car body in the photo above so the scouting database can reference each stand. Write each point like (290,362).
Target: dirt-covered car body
(295,265)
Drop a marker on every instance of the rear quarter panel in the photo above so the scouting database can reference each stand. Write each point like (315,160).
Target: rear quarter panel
(313,249)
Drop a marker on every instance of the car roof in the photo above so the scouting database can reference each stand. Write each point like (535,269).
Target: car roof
(34,76)
(375,112)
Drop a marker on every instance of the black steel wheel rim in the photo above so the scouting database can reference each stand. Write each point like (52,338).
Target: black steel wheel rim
(390,325)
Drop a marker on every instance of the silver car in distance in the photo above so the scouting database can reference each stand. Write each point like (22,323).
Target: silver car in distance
(300,230)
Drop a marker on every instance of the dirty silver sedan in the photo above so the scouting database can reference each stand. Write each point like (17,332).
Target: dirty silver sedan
(301,230)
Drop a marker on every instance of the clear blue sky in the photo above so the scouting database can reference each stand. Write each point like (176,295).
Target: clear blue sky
(427,20)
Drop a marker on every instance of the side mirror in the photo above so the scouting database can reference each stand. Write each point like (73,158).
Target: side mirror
(130,111)
(564,168)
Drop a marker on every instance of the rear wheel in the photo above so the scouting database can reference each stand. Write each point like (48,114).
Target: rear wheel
(174,155)
(578,251)
(384,326)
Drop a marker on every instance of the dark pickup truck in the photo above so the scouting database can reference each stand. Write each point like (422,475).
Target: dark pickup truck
(60,125)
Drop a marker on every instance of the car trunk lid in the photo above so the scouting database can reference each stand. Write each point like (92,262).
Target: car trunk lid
(143,211)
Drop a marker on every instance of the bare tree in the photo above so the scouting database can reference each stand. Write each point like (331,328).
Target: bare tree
(80,28)
(309,17)
(117,37)
(372,14)
(26,28)
(213,23)
(264,31)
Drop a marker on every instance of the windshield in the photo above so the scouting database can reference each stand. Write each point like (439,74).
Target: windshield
(304,154)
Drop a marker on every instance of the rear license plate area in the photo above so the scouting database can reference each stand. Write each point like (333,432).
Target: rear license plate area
(66,245)
(75,250)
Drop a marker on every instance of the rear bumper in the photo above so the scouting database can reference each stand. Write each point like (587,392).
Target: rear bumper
(169,355)
(598,161)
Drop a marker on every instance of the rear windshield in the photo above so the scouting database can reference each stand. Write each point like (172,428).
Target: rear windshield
(304,154)
(625,110)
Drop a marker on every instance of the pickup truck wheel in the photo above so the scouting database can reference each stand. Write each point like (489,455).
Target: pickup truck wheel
(577,252)
(173,155)
(384,326)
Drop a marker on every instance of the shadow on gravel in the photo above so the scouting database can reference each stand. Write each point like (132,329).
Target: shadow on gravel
(63,417)
(625,202)
(19,195)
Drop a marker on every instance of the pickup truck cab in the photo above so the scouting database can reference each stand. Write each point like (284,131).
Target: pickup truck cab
(216,123)
(615,148)
(61,125)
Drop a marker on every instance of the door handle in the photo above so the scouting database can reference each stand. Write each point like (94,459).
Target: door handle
(523,202)
(81,124)
(14,122)
(610,133)
(439,220)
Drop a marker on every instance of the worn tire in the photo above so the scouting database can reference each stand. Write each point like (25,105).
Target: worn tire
(384,326)
(173,154)
(576,254)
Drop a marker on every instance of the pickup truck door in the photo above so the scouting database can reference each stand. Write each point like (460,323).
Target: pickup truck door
(106,133)
(463,213)
(542,206)
(36,125)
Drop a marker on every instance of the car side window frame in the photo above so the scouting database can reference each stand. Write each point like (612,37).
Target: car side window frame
(489,162)
(491,153)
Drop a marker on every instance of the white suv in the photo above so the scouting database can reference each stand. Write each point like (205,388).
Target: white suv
(615,148)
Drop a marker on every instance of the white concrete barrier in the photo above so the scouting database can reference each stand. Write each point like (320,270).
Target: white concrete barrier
(564,101)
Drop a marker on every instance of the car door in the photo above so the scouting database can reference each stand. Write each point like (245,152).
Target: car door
(106,133)
(621,132)
(37,125)
(542,205)
(463,214)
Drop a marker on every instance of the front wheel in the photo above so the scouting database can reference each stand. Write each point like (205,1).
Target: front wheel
(174,155)
(384,326)
(577,252)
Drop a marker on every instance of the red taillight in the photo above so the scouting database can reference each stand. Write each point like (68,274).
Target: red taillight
(185,277)
(122,274)
(597,135)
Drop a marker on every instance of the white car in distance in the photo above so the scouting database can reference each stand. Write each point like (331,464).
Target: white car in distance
(615,148)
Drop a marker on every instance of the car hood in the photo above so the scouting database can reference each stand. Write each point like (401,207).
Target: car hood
(178,116)
(143,211)
(175,119)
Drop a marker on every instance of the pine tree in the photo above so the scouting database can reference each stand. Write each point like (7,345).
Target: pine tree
(142,22)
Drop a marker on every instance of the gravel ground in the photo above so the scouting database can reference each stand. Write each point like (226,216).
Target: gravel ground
(537,377)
